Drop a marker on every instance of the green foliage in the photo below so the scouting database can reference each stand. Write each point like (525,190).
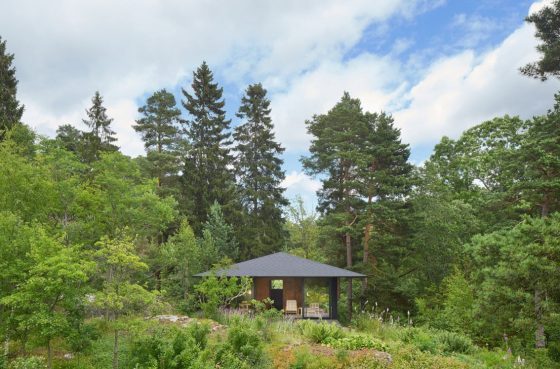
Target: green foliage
(355,342)
(218,238)
(100,137)
(258,168)
(246,344)
(206,175)
(320,332)
(215,291)
(159,129)
(33,362)
(547,22)
(10,108)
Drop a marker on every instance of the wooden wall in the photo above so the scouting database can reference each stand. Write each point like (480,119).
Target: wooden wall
(293,289)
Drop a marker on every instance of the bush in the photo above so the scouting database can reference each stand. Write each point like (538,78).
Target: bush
(321,331)
(554,351)
(33,362)
(199,332)
(355,342)
(366,323)
(246,343)
(451,342)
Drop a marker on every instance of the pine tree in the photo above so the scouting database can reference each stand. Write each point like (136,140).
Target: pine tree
(159,129)
(547,23)
(385,177)
(259,174)
(207,176)
(337,150)
(10,108)
(101,136)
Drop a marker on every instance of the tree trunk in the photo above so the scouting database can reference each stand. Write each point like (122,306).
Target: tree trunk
(348,242)
(367,233)
(540,339)
(116,350)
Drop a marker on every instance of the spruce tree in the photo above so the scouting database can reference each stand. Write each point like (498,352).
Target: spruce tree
(259,174)
(219,234)
(10,108)
(100,137)
(207,176)
(159,129)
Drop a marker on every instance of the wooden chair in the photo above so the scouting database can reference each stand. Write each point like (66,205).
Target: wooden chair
(292,308)
(314,309)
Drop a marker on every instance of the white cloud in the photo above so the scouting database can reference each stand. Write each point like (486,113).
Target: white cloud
(466,89)
(452,94)
(300,184)
(65,50)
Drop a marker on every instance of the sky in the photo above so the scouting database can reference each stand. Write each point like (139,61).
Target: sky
(439,66)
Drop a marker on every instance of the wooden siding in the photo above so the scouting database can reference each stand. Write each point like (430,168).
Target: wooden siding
(292,289)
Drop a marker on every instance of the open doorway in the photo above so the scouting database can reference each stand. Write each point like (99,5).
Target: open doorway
(277,293)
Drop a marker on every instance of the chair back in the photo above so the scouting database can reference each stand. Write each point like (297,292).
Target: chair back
(291,305)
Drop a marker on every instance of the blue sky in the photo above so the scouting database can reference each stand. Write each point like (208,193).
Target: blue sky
(438,66)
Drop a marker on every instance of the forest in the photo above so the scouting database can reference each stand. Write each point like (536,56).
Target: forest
(464,248)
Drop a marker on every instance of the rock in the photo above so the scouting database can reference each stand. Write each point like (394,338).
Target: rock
(68,356)
(178,319)
(383,356)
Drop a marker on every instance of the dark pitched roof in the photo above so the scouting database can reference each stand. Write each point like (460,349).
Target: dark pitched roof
(283,265)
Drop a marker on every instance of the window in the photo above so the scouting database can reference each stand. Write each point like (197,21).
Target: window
(277,284)
(317,298)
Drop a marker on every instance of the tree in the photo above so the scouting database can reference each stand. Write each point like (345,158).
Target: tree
(159,129)
(259,173)
(335,153)
(207,176)
(120,295)
(10,108)
(547,22)
(219,236)
(100,138)
(385,176)
(303,232)
(71,138)
(181,258)
(517,273)
(52,290)
(540,154)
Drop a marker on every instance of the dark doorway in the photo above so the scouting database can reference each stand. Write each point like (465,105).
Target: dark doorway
(277,293)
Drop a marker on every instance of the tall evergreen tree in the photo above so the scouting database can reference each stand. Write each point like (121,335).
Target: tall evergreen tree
(100,137)
(207,176)
(337,149)
(385,181)
(10,108)
(218,238)
(259,173)
(159,129)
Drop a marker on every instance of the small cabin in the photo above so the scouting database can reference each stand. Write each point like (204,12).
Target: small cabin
(299,286)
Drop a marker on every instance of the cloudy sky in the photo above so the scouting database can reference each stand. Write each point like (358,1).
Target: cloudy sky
(439,66)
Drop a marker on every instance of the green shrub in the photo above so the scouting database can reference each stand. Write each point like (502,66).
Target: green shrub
(451,342)
(366,323)
(318,332)
(355,342)
(246,343)
(554,351)
(199,332)
(32,362)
